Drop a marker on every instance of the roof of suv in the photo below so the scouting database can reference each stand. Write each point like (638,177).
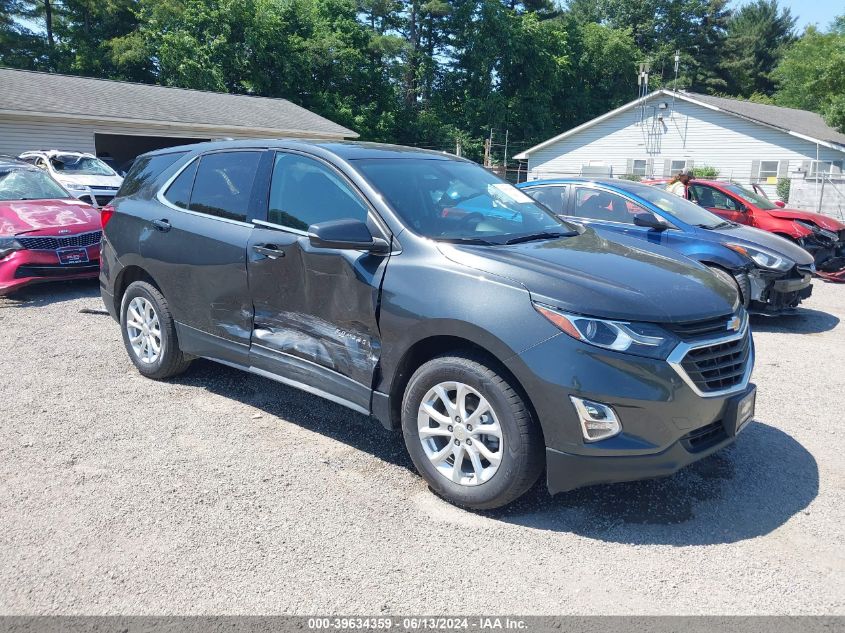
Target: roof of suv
(348,150)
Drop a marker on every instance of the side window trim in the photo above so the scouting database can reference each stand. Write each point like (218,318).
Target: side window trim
(372,214)
(573,193)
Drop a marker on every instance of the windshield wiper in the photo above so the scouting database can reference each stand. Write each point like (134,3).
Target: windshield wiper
(540,236)
(467,240)
(720,225)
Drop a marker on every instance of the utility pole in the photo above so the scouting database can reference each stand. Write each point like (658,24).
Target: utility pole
(505,161)
(457,147)
(487,152)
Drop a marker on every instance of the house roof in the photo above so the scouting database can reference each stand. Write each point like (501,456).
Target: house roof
(801,123)
(84,98)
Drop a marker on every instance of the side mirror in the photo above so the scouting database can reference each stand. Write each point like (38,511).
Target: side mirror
(647,220)
(346,234)
(780,203)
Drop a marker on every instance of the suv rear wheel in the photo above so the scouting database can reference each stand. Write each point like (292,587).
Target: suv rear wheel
(149,333)
(470,434)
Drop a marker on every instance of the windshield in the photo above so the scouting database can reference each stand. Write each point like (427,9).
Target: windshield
(684,210)
(80,165)
(751,197)
(454,200)
(29,184)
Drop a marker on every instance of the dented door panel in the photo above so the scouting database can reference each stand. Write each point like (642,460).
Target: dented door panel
(316,305)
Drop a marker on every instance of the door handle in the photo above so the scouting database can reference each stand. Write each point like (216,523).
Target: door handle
(269,250)
(162,225)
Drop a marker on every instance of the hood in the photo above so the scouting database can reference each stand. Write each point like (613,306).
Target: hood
(769,241)
(36,215)
(90,181)
(592,275)
(824,221)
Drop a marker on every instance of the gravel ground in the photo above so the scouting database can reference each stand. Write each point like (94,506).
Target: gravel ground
(226,493)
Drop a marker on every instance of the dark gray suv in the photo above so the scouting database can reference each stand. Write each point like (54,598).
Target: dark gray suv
(420,289)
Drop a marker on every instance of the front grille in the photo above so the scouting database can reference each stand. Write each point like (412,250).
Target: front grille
(719,366)
(705,437)
(104,200)
(57,270)
(52,243)
(700,329)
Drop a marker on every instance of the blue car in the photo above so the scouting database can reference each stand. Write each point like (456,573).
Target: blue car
(772,274)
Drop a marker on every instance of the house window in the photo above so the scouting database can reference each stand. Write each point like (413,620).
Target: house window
(768,169)
(820,168)
(639,167)
(677,165)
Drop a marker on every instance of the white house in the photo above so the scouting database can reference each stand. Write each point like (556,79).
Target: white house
(122,119)
(666,131)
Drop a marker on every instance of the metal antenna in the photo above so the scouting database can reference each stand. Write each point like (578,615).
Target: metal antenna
(675,83)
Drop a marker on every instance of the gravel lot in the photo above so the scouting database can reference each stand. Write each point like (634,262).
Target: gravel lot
(225,493)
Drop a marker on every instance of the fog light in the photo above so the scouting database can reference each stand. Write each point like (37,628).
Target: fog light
(598,421)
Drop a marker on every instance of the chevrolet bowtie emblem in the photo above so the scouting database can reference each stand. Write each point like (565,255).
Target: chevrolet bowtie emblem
(734,324)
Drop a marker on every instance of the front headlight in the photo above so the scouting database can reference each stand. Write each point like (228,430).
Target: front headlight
(642,339)
(764,259)
(8,245)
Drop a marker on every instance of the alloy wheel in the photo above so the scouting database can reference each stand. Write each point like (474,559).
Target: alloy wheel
(460,433)
(144,330)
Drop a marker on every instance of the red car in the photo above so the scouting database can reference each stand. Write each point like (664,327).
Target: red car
(821,235)
(45,233)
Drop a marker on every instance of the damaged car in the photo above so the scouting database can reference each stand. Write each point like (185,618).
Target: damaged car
(503,341)
(84,175)
(773,275)
(820,235)
(45,233)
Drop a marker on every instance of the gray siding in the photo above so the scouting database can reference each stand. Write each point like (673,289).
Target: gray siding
(690,132)
(19,134)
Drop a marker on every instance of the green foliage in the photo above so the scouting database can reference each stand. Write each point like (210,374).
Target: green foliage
(758,35)
(706,172)
(435,73)
(632,177)
(782,189)
(811,75)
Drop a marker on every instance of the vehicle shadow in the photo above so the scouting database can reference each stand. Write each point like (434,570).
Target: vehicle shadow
(298,407)
(44,294)
(802,321)
(747,490)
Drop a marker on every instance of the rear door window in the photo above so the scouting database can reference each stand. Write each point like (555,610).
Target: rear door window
(179,191)
(145,170)
(223,184)
(305,191)
(553,197)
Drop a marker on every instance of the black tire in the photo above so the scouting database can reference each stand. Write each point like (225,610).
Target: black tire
(728,278)
(170,361)
(523,451)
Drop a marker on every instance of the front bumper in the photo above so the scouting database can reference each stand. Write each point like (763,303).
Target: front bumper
(568,471)
(774,293)
(666,422)
(25,267)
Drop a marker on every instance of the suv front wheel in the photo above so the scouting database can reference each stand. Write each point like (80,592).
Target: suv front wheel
(470,434)
(149,332)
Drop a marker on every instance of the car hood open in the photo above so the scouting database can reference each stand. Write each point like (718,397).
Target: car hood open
(592,275)
(33,215)
(823,221)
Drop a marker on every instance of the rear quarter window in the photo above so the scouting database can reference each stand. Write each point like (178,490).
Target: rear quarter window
(145,171)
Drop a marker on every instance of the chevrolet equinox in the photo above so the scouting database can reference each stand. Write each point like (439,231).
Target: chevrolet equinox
(422,290)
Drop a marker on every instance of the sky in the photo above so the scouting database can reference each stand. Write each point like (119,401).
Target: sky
(818,12)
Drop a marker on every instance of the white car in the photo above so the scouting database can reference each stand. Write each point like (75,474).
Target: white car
(84,175)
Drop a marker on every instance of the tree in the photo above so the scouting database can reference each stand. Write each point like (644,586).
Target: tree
(758,36)
(811,75)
